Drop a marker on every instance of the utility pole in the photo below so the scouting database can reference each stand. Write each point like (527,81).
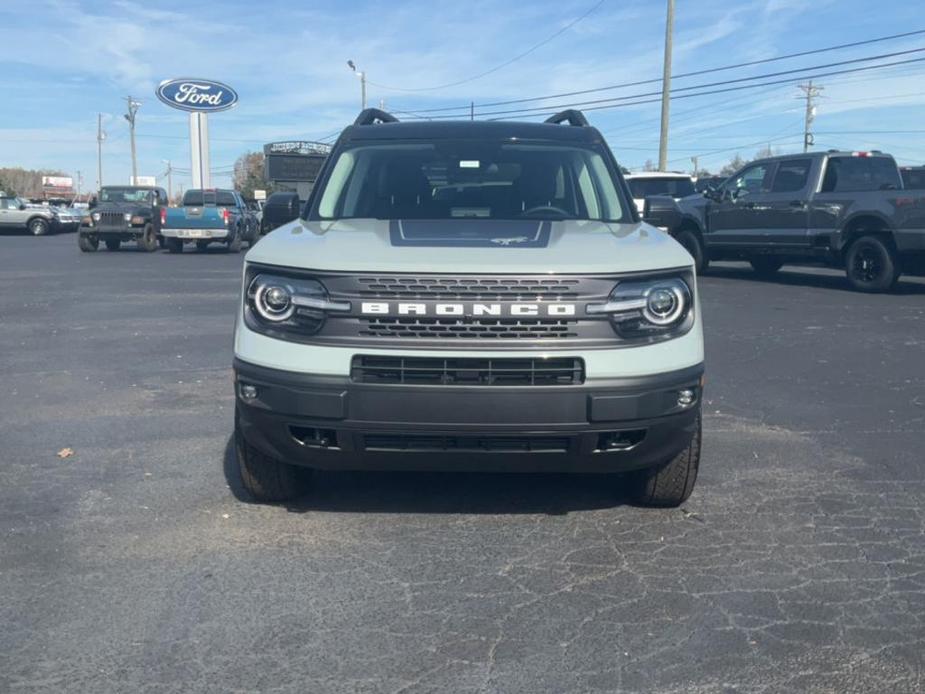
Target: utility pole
(810,92)
(169,180)
(78,184)
(130,117)
(695,161)
(100,136)
(666,89)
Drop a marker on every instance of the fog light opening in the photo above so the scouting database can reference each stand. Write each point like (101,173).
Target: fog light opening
(248,391)
(686,397)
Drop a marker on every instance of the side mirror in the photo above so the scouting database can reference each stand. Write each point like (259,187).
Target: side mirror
(22,206)
(662,211)
(739,194)
(92,203)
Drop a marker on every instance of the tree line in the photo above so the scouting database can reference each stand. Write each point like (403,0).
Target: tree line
(25,182)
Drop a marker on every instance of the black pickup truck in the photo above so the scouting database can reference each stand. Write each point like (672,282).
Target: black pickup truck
(843,209)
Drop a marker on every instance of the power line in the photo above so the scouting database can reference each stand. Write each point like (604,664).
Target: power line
(737,80)
(610,103)
(497,67)
(683,75)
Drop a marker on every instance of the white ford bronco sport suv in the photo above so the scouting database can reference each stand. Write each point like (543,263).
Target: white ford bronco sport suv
(469,296)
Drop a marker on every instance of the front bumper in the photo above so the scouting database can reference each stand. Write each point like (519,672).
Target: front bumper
(611,425)
(196,234)
(126,233)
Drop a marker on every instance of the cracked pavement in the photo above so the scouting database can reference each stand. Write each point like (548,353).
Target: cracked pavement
(133,565)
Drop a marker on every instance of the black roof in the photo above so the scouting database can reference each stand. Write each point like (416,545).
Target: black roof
(434,129)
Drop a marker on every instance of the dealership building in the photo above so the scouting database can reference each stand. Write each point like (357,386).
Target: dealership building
(294,166)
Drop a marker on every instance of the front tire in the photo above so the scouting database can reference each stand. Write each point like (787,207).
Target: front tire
(174,245)
(38,227)
(147,242)
(871,265)
(671,484)
(265,478)
(113,244)
(693,245)
(87,243)
(766,266)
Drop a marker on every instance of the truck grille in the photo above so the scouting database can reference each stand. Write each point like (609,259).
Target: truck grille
(564,371)
(468,328)
(481,288)
(475,444)
(111,219)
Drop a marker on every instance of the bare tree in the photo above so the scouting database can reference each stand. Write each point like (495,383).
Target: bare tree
(249,174)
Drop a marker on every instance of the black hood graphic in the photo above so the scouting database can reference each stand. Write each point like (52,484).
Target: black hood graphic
(470,233)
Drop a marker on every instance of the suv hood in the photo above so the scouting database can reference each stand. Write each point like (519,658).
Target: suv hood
(470,246)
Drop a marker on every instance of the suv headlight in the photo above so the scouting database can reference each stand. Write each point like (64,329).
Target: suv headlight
(649,309)
(287,306)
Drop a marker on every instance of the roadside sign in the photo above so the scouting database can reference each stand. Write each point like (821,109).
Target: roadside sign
(260,194)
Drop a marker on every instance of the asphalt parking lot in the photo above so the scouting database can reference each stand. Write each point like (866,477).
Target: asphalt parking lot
(136,565)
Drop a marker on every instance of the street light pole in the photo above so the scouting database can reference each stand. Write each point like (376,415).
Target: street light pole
(169,180)
(666,89)
(362,75)
(100,136)
(130,117)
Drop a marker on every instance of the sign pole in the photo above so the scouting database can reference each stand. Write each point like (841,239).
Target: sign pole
(199,149)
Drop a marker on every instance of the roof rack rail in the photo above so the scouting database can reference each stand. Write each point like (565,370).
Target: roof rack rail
(571,116)
(369,116)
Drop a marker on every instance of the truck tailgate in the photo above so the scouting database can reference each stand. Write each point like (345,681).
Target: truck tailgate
(194,218)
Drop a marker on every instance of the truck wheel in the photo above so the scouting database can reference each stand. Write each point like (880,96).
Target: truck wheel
(148,240)
(266,478)
(693,245)
(38,227)
(174,245)
(113,244)
(870,265)
(87,243)
(201,246)
(234,243)
(671,484)
(766,266)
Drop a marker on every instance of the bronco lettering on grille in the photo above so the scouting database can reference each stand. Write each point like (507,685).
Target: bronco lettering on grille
(385,308)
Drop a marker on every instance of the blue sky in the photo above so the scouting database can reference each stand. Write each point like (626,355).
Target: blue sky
(62,61)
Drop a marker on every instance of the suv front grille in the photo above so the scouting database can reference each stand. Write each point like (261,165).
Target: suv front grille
(111,219)
(510,329)
(564,371)
(480,288)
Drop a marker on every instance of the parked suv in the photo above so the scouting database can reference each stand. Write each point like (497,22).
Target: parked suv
(124,213)
(469,295)
(16,214)
(844,209)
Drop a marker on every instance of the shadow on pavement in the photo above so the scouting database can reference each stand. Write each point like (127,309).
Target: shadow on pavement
(444,492)
(791,276)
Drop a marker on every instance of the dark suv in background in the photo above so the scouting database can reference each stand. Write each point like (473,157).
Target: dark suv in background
(124,213)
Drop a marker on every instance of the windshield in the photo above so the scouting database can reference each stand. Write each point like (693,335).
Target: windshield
(124,195)
(457,179)
(675,187)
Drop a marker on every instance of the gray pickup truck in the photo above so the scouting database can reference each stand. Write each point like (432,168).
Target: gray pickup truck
(843,209)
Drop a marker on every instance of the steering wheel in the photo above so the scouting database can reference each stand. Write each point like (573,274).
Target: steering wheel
(546,208)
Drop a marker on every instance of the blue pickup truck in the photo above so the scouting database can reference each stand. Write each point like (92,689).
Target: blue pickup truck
(210,216)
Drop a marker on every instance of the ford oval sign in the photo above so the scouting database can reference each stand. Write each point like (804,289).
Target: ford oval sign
(190,94)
